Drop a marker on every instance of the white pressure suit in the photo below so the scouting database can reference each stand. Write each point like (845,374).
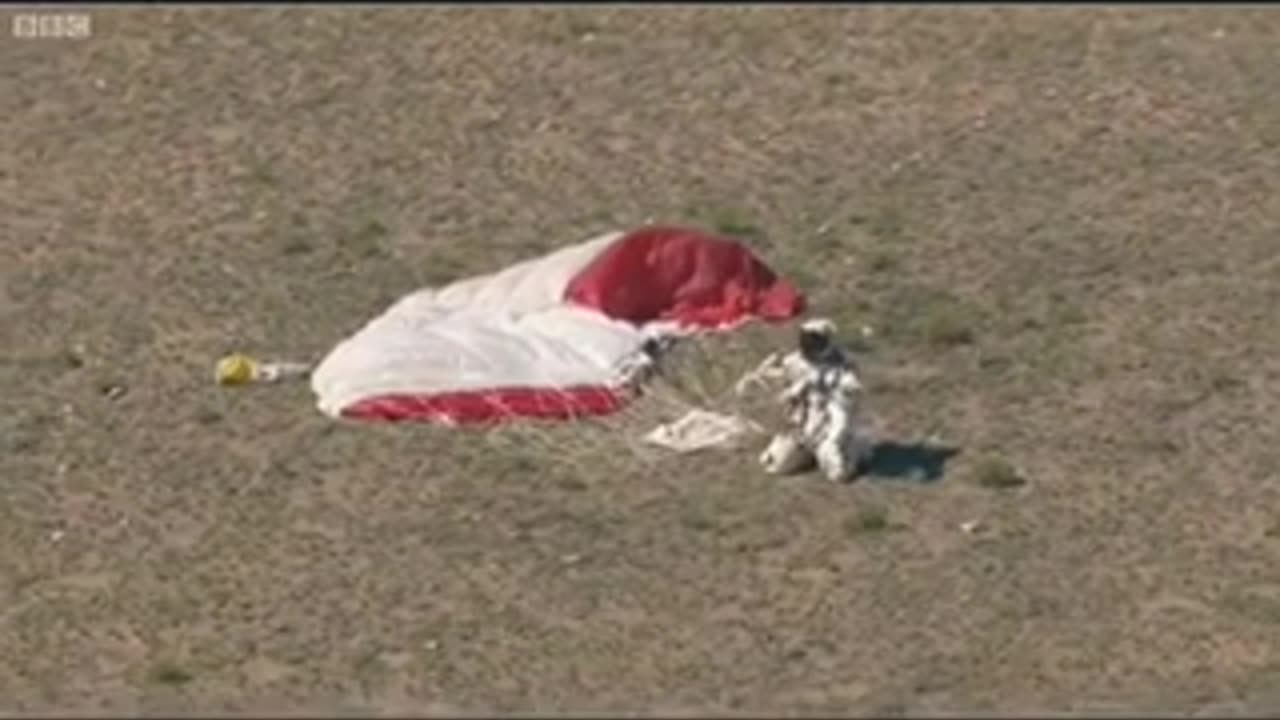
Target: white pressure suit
(823,398)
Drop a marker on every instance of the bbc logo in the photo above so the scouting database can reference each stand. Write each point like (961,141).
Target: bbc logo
(56,26)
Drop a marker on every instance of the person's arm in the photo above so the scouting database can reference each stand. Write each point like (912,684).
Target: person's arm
(849,381)
(794,392)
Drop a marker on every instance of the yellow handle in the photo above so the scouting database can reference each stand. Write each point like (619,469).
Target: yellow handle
(236,370)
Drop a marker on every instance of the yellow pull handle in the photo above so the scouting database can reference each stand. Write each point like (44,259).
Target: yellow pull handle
(240,369)
(236,369)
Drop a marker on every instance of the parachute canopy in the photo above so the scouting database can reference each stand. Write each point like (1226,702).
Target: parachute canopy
(551,337)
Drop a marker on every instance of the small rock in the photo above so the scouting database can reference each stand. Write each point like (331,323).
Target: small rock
(972,526)
(74,358)
(56,535)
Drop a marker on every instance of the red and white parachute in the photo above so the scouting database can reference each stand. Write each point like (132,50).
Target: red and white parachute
(548,337)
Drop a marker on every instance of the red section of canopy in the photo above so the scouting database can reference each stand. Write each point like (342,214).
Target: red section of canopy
(490,406)
(691,277)
(654,273)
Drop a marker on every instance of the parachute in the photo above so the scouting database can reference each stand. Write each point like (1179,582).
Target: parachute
(554,337)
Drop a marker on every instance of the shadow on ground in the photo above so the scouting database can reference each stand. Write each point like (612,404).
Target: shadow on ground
(919,463)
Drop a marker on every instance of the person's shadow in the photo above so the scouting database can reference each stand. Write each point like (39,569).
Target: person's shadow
(919,463)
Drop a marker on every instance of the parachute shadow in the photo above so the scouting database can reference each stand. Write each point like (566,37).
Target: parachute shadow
(919,463)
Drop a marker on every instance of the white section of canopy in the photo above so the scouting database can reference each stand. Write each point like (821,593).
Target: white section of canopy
(506,329)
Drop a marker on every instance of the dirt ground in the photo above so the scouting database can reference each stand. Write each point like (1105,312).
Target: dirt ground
(1060,223)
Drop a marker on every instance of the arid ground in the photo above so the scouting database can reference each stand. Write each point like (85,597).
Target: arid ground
(1060,224)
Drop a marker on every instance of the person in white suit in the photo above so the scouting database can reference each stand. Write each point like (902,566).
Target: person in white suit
(823,398)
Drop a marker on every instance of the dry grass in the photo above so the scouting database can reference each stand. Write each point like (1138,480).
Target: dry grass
(1058,223)
(997,474)
(869,520)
